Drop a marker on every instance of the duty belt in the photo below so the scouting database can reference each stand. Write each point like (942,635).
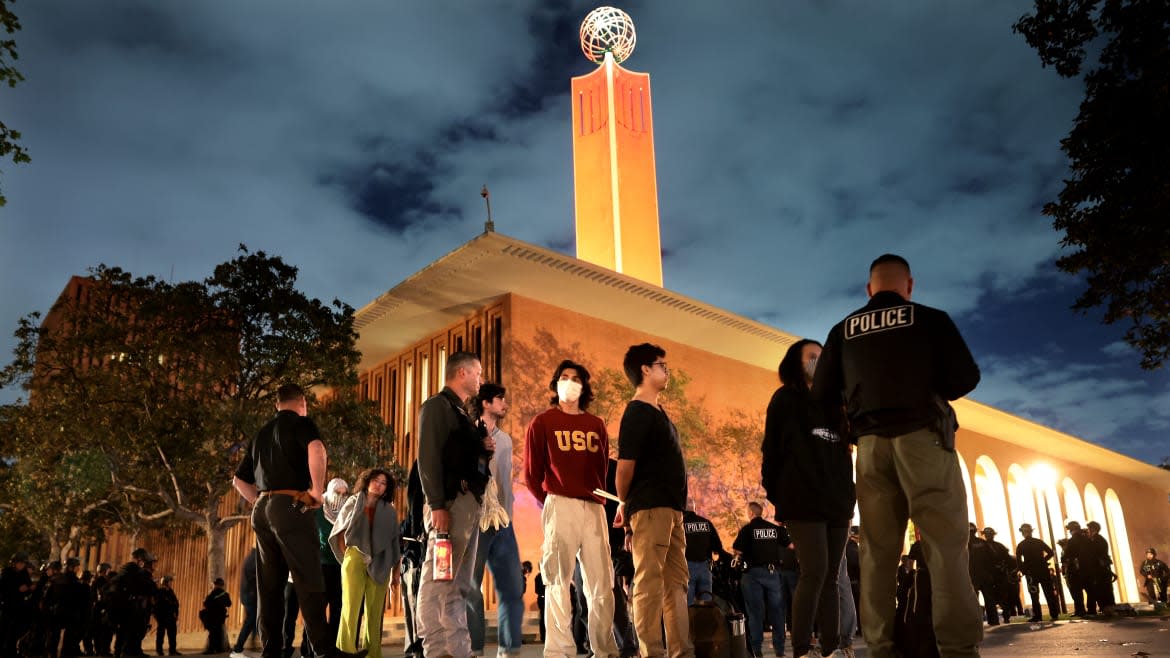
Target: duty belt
(281,492)
(772,568)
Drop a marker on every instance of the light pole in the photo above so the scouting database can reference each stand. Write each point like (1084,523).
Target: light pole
(1044,478)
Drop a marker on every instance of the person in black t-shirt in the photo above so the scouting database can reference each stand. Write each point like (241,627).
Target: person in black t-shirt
(652,482)
(283,475)
(702,543)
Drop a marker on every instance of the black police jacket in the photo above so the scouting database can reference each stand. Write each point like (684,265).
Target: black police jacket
(893,361)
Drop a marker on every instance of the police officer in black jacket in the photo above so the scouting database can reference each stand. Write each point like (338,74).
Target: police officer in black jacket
(66,604)
(15,610)
(283,475)
(758,546)
(1033,556)
(702,542)
(895,365)
(128,596)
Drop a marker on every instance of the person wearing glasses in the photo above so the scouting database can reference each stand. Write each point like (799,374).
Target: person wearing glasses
(652,483)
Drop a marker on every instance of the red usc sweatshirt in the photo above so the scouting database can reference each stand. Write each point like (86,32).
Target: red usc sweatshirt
(566,455)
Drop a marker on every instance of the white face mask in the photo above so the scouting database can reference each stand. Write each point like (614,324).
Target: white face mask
(568,390)
(810,366)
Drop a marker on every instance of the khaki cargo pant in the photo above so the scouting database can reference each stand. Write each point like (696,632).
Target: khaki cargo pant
(913,476)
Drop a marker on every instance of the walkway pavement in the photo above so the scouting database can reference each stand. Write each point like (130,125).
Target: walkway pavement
(1127,636)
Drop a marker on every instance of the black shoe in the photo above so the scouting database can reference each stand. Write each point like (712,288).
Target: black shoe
(175,653)
(1036,620)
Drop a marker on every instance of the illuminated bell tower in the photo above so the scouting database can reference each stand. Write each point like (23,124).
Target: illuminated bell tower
(615,183)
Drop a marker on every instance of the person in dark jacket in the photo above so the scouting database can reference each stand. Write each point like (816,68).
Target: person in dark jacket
(1033,556)
(248,600)
(807,473)
(214,616)
(101,632)
(1098,571)
(166,616)
(1155,576)
(1005,576)
(128,596)
(757,546)
(15,613)
(66,606)
(1074,558)
(452,466)
(982,570)
(896,365)
(703,543)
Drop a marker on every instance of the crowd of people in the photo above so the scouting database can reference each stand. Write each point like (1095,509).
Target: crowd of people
(625,554)
(60,611)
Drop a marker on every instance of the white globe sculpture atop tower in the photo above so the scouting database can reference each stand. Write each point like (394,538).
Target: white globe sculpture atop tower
(607,29)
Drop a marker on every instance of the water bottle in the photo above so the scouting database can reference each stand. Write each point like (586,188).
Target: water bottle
(442,566)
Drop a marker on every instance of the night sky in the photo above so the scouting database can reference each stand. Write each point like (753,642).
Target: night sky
(795,142)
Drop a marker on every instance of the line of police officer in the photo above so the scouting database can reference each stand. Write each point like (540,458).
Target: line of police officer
(62,612)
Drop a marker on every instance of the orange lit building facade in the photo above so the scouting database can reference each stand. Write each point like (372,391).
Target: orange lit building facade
(524,308)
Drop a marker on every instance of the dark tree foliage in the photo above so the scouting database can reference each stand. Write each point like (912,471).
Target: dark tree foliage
(9,148)
(1114,209)
(157,387)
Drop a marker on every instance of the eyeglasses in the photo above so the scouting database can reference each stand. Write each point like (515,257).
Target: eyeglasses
(660,363)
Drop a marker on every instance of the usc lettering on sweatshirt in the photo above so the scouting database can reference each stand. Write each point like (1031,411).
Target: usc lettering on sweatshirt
(566,455)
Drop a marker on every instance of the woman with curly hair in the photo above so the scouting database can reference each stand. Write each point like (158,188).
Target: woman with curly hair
(808,475)
(365,541)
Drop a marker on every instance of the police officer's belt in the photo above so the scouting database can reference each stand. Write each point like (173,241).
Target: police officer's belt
(772,568)
(281,492)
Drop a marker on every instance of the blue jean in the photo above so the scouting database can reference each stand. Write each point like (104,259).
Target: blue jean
(762,587)
(248,628)
(700,582)
(846,608)
(499,552)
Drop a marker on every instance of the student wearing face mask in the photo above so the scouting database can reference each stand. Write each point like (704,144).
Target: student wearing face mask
(808,475)
(566,459)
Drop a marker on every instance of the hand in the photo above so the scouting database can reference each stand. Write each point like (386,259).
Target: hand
(628,544)
(489,444)
(315,499)
(440,520)
(619,519)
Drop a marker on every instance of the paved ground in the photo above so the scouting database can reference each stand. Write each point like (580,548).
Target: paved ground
(1064,639)
(1140,636)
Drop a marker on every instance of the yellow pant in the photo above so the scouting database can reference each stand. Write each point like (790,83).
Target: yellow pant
(356,584)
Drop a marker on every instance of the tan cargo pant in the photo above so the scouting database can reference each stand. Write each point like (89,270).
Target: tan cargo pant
(913,476)
(659,546)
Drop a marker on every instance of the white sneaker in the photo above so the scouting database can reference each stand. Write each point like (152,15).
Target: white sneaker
(237,654)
